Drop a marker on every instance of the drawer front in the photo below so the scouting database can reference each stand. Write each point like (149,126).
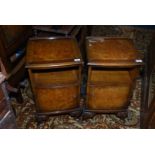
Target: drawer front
(55,77)
(108,97)
(57,99)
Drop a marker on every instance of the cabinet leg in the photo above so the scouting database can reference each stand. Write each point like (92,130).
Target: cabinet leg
(41,118)
(16,92)
(122,114)
(76,113)
(19,96)
(87,115)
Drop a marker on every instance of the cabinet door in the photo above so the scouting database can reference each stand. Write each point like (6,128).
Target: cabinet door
(56,90)
(57,99)
(108,97)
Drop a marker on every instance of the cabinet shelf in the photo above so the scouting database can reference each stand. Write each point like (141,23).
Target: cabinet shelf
(102,77)
(54,78)
(48,86)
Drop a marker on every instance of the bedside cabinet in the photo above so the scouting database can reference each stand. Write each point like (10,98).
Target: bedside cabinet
(113,66)
(54,66)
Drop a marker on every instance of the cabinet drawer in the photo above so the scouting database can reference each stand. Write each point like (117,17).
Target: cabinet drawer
(108,97)
(55,77)
(110,76)
(57,99)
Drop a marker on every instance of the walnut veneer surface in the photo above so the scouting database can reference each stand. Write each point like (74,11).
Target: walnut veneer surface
(55,90)
(110,51)
(52,50)
(112,69)
(113,76)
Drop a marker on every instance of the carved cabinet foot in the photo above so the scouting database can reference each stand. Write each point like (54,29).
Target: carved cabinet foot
(87,115)
(76,113)
(41,118)
(122,115)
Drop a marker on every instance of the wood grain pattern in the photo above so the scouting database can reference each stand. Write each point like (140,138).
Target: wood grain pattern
(57,99)
(108,97)
(52,50)
(111,50)
(55,75)
(110,76)
(112,70)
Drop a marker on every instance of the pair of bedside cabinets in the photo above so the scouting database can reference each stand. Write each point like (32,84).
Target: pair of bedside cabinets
(55,69)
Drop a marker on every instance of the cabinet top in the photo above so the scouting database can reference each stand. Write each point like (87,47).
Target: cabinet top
(53,50)
(112,51)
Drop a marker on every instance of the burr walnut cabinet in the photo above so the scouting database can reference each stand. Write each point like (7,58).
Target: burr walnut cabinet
(54,65)
(113,65)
